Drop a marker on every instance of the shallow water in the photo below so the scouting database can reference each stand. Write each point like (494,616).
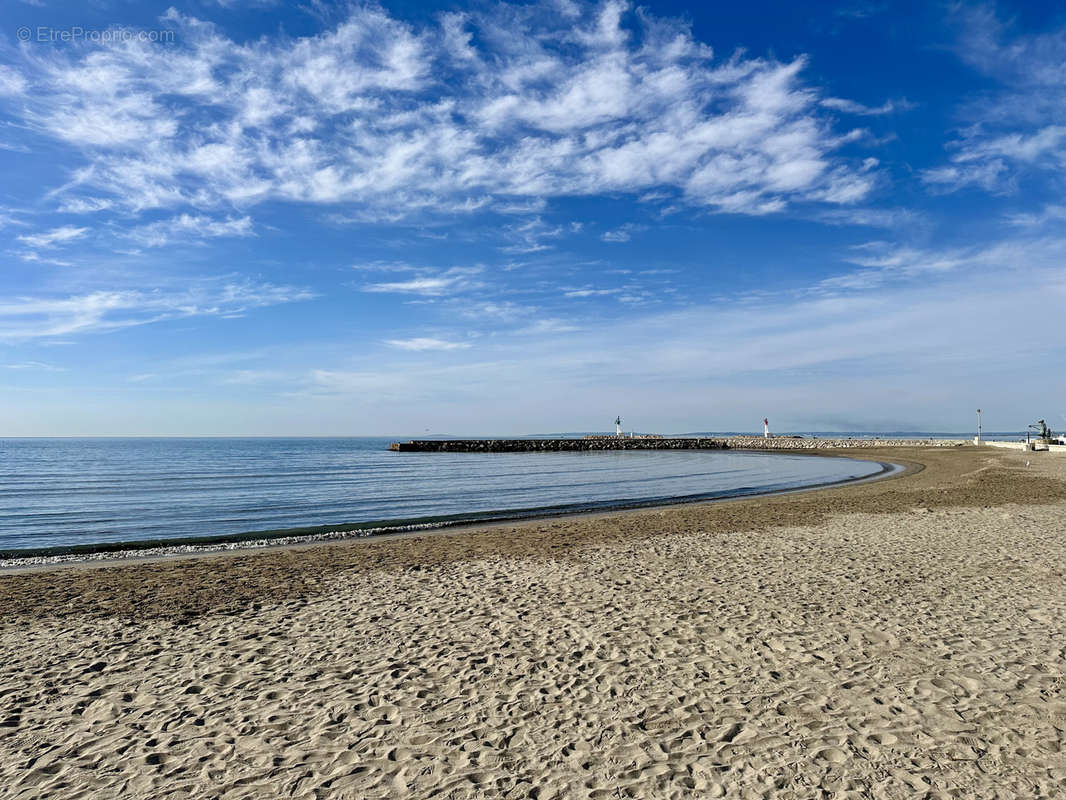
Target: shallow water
(69,492)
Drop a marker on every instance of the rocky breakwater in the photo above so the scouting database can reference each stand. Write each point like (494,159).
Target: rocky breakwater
(553,445)
(675,443)
(797,443)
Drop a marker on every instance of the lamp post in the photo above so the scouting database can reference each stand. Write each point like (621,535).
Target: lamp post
(979,426)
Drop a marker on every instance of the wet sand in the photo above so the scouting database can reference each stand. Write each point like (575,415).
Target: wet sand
(893,639)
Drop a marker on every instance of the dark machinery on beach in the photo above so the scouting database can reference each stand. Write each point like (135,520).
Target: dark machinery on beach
(1046,434)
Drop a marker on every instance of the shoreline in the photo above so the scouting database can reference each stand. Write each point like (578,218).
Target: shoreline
(922,467)
(894,638)
(20,559)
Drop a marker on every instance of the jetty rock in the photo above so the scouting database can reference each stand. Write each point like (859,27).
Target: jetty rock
(650,443)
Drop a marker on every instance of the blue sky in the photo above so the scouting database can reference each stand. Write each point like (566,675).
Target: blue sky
(252,218)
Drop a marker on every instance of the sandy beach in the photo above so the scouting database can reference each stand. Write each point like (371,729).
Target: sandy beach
(896,639)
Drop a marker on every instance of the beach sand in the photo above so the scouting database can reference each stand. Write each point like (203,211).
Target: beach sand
(897,639)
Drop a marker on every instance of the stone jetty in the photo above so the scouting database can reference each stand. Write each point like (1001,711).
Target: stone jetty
(648,443)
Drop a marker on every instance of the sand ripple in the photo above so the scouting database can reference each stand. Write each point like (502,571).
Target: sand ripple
(907,654)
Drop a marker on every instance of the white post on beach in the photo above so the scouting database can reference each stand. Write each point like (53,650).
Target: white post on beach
(979,426)
(765,428)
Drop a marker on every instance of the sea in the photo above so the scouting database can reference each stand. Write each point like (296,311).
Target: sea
(76,494)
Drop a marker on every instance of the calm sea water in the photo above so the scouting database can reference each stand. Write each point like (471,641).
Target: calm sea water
(67,492)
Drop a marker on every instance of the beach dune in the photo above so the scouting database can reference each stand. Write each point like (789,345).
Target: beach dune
(897,639)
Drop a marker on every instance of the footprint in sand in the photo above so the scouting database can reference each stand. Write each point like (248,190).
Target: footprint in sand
(834,755)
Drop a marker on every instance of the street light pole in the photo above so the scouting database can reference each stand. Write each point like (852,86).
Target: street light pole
(979,426)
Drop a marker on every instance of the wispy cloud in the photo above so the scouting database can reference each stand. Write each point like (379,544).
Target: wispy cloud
(1049,213)
(500,108)
(11,216)
(54,237)
(188,226)
(387,266)
(873,217)
(549,326)
(42,317)
(589,291)
(34,365)
(885,263)
(85,205)
(992,176)
(502,310)
(33,257)
(422,344)
(531,236)
(253,377)
(622,233)
(785,353)
(852,107)
(1020,128)
(451,281)
(12,83)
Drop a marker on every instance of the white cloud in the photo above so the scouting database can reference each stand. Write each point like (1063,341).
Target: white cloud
(789,355)
(1030,148)
(622,233)
(852,107)
(388,266)
(505,311)
(432,286)
(961,325)
(872,217)
(421,344)
(188,226)
(549,325)
(52,316)
(11,81)
(452,281)
(1018,130)
(85,205)
(54,237)
(532,236)
(883,262)
(988,176)
(590,292)
(34,366)
(989,161)
(1050,213)
(10,216)
(33,257)
(252,377)
(496,109)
